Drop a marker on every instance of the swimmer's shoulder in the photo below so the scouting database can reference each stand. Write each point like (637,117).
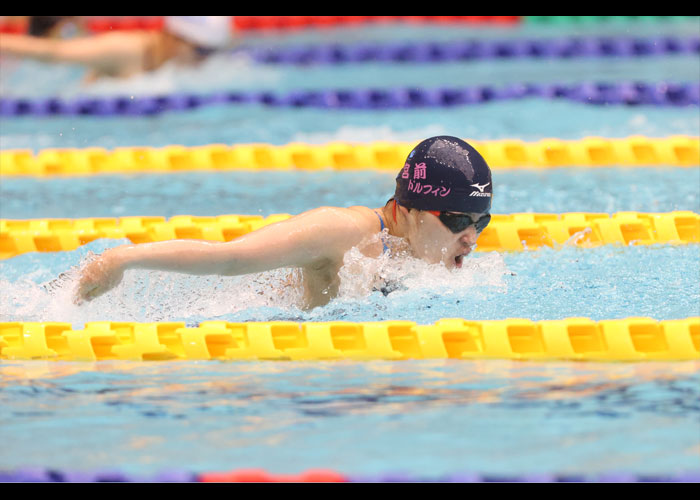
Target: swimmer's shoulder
(369,217)
(334,230)
(123,54)
(127,41)
(359,217)
(344,224)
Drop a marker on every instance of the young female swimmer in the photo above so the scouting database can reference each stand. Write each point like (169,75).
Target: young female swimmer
(441,205)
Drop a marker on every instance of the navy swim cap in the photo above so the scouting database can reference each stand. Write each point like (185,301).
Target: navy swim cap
(445,173)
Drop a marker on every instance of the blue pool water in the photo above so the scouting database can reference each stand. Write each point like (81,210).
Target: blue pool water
(528,119)
(423,418)
(602,283)
(603,190)
(426,418)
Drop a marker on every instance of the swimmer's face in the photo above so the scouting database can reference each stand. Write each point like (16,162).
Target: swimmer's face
(432,241)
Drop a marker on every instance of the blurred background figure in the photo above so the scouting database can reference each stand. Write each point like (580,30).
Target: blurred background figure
(185,40)
(55,27)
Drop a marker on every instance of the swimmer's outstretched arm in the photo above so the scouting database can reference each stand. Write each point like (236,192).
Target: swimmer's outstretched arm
(311,240)
(100,51)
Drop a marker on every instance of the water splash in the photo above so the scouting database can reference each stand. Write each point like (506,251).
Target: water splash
(46,294)
(399,272)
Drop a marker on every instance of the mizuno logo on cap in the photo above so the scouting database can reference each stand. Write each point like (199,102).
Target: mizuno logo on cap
(480,187)
(480,193)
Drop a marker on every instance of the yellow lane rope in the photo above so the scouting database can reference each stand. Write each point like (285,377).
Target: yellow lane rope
(511,232)
(676,151)
(631,339)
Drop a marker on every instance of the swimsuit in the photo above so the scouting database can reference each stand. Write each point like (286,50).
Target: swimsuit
(381,222)
(389,286)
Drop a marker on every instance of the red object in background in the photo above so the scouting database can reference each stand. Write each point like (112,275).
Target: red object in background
(251,23)
(99,24)
(14,26)
(262,476)
(127,23)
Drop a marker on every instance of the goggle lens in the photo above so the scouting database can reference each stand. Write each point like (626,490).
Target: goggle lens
(459,222)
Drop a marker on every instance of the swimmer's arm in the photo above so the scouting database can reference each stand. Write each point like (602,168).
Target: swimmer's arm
(303,241)
(312,240)
(204,257)
(103,51)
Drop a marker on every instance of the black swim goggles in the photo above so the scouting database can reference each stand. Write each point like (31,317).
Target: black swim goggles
(458,222)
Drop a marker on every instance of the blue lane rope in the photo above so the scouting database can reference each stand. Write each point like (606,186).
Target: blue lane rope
(476,49)
(600,93)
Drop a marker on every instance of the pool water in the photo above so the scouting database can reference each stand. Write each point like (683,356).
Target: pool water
(423,418)
(528,119)
(601,283)
(600,190)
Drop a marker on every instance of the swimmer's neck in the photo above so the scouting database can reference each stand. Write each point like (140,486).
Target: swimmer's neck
(395,226)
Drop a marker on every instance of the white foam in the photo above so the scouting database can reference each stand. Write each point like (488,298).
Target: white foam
(399,272)
(145,296)
(150,296)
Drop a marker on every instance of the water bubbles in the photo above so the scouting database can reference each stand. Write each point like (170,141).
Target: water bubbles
(41,287)
(549,284)
(399,272)
(578,236)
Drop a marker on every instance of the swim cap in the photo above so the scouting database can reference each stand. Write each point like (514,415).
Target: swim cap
(445,173)
(204,31)
(42,25)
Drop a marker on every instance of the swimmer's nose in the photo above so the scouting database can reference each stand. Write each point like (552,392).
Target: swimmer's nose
(469,237)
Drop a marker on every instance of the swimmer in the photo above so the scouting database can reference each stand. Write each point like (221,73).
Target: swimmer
(440,206)
(186,40)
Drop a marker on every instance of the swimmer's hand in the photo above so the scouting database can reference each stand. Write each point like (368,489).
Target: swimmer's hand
(98,277)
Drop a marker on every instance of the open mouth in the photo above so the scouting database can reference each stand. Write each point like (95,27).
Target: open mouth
(459,259)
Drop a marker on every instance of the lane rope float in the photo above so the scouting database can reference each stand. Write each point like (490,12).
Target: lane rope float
(635,151)
(571,47)
(506,232)
(677,94)
(576,339)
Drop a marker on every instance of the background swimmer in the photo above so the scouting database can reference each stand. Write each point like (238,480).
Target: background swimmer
(184,39)
(440,206)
